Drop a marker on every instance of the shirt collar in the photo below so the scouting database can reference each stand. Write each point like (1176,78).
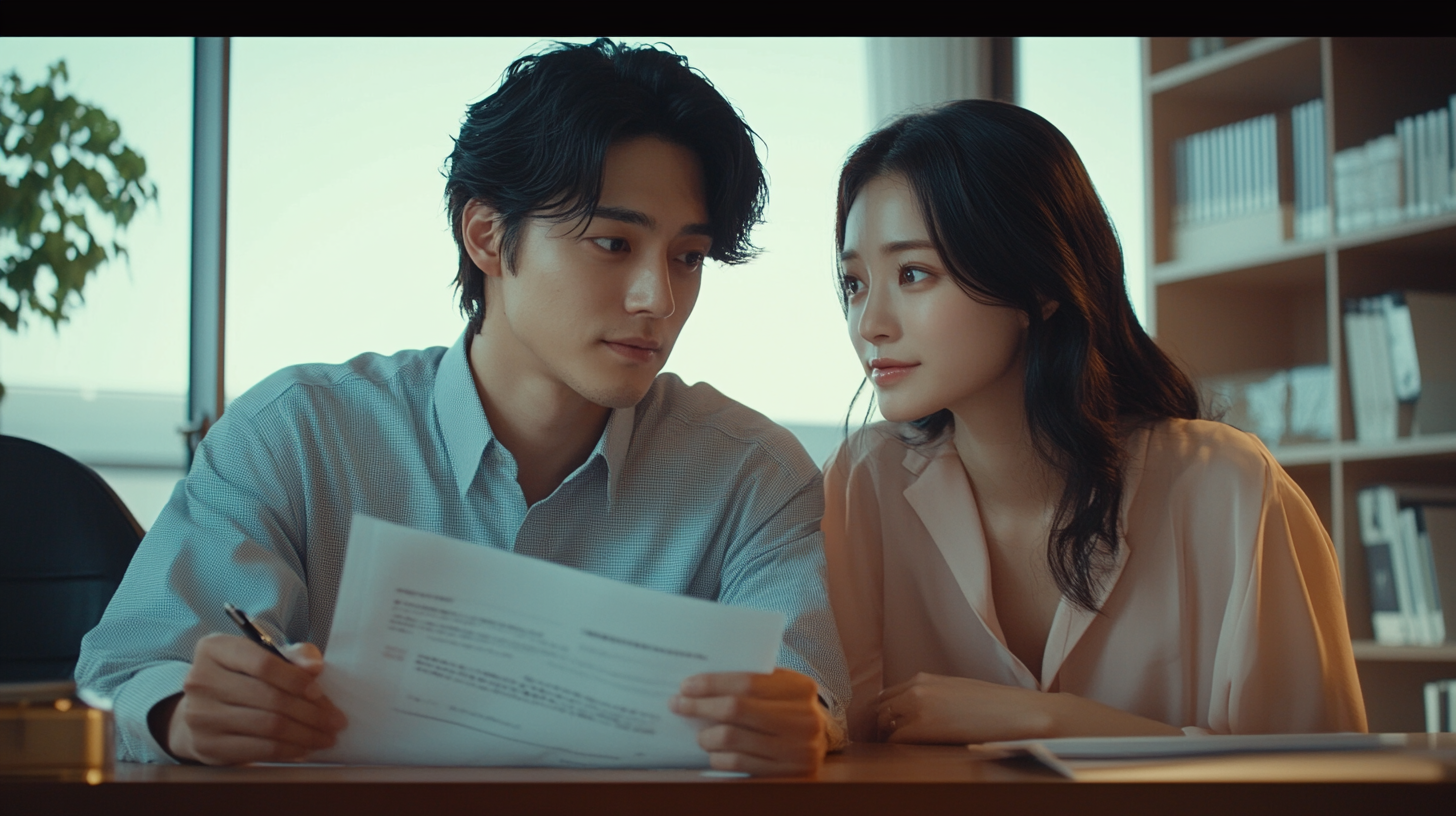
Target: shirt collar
(463,426)
(466,431)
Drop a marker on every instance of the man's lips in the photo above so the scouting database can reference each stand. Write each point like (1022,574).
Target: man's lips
(637,349)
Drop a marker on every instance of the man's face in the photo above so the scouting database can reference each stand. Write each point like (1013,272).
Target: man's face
(597,307)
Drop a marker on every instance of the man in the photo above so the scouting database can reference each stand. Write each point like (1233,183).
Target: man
(584,196)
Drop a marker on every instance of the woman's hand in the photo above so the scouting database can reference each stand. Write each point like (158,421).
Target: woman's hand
(935,708)
(932,708)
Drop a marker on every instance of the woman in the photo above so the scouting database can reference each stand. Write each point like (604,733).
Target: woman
(1044,540)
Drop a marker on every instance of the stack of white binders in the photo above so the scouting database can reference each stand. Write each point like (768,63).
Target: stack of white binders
(1228,189)
(1401,353)
(1280,406)
(1399,176)
(1409,533)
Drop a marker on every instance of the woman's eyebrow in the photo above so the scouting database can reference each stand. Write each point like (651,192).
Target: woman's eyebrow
(906,246)
(890,248)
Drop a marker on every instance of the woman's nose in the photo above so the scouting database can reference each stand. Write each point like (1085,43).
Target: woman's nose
(877,322)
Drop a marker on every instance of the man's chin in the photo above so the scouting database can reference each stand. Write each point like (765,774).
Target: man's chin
(617,396)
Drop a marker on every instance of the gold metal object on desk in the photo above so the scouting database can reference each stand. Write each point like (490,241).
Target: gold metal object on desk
(46,732)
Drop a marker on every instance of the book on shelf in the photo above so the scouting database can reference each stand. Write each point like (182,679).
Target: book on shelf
(1409,535)
(1440,706)
(1280,406)
(1400,352)
(1311,199)
(1408,174)
(1227,189)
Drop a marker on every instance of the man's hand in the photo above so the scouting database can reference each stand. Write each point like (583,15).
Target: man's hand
(763,724)
(241,704)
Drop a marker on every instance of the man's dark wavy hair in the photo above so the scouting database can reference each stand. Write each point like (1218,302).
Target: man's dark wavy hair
(1013,213)
(536,147)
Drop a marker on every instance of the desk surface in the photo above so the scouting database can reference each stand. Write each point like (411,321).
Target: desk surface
(879,779)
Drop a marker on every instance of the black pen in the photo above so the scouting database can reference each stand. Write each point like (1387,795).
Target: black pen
(254,633)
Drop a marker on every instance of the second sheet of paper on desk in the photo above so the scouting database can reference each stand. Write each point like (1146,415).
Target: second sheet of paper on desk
(449,653)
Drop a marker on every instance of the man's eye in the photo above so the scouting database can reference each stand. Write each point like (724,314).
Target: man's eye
(611,244)
(694,260)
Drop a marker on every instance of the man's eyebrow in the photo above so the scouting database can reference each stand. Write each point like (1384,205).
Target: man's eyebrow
(625,215)
(642,219)
(891,248)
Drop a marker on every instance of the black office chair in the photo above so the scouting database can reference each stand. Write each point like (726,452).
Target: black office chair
(65,541)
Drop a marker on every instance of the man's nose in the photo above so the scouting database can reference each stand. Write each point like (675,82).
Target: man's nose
(650,291)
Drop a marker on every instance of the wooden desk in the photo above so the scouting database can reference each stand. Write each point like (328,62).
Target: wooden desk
(885,780)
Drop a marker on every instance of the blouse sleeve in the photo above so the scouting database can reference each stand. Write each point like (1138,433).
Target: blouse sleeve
(1284,663)
(855,568)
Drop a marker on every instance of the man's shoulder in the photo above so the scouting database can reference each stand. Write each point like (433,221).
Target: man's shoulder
(404,375)
(700,421)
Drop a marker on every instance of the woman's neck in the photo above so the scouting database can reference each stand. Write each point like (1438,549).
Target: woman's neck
(994,442)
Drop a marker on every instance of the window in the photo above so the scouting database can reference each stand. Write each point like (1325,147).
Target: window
(108,387)
(338,241)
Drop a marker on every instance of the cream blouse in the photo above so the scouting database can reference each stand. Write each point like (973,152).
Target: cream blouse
(1222,612)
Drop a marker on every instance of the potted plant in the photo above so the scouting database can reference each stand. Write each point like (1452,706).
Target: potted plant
(65,176)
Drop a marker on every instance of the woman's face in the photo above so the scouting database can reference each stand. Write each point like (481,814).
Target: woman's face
(924,343)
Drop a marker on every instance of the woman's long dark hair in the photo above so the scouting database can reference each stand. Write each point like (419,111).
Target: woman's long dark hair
(1012,212)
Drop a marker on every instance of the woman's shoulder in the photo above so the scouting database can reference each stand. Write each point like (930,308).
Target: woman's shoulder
(876,450)
(1203,449)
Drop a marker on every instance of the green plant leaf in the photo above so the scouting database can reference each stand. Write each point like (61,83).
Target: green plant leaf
(64,147)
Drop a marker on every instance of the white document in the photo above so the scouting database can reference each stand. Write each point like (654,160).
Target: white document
(1069,755)
(449,653)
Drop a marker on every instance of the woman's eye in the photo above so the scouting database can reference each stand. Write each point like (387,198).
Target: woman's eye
(611,244)
(912,275)
(850,286)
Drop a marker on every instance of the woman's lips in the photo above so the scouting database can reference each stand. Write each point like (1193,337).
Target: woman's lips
(889,372)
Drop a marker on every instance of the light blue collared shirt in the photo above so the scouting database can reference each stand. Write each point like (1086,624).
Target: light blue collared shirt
(687,492)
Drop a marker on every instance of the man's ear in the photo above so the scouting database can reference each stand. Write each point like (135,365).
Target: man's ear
(480,232)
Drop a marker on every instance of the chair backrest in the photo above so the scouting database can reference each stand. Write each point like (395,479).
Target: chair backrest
(65,542)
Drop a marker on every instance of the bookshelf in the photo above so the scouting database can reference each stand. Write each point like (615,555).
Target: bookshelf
(1280,306)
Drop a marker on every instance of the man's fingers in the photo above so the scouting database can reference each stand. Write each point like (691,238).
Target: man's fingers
(241,691)
(782,718)
(734,739)
(782,684)
(732,748)
(221,721)
(232,749)
(758,766)
(306,656)
(242,656)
